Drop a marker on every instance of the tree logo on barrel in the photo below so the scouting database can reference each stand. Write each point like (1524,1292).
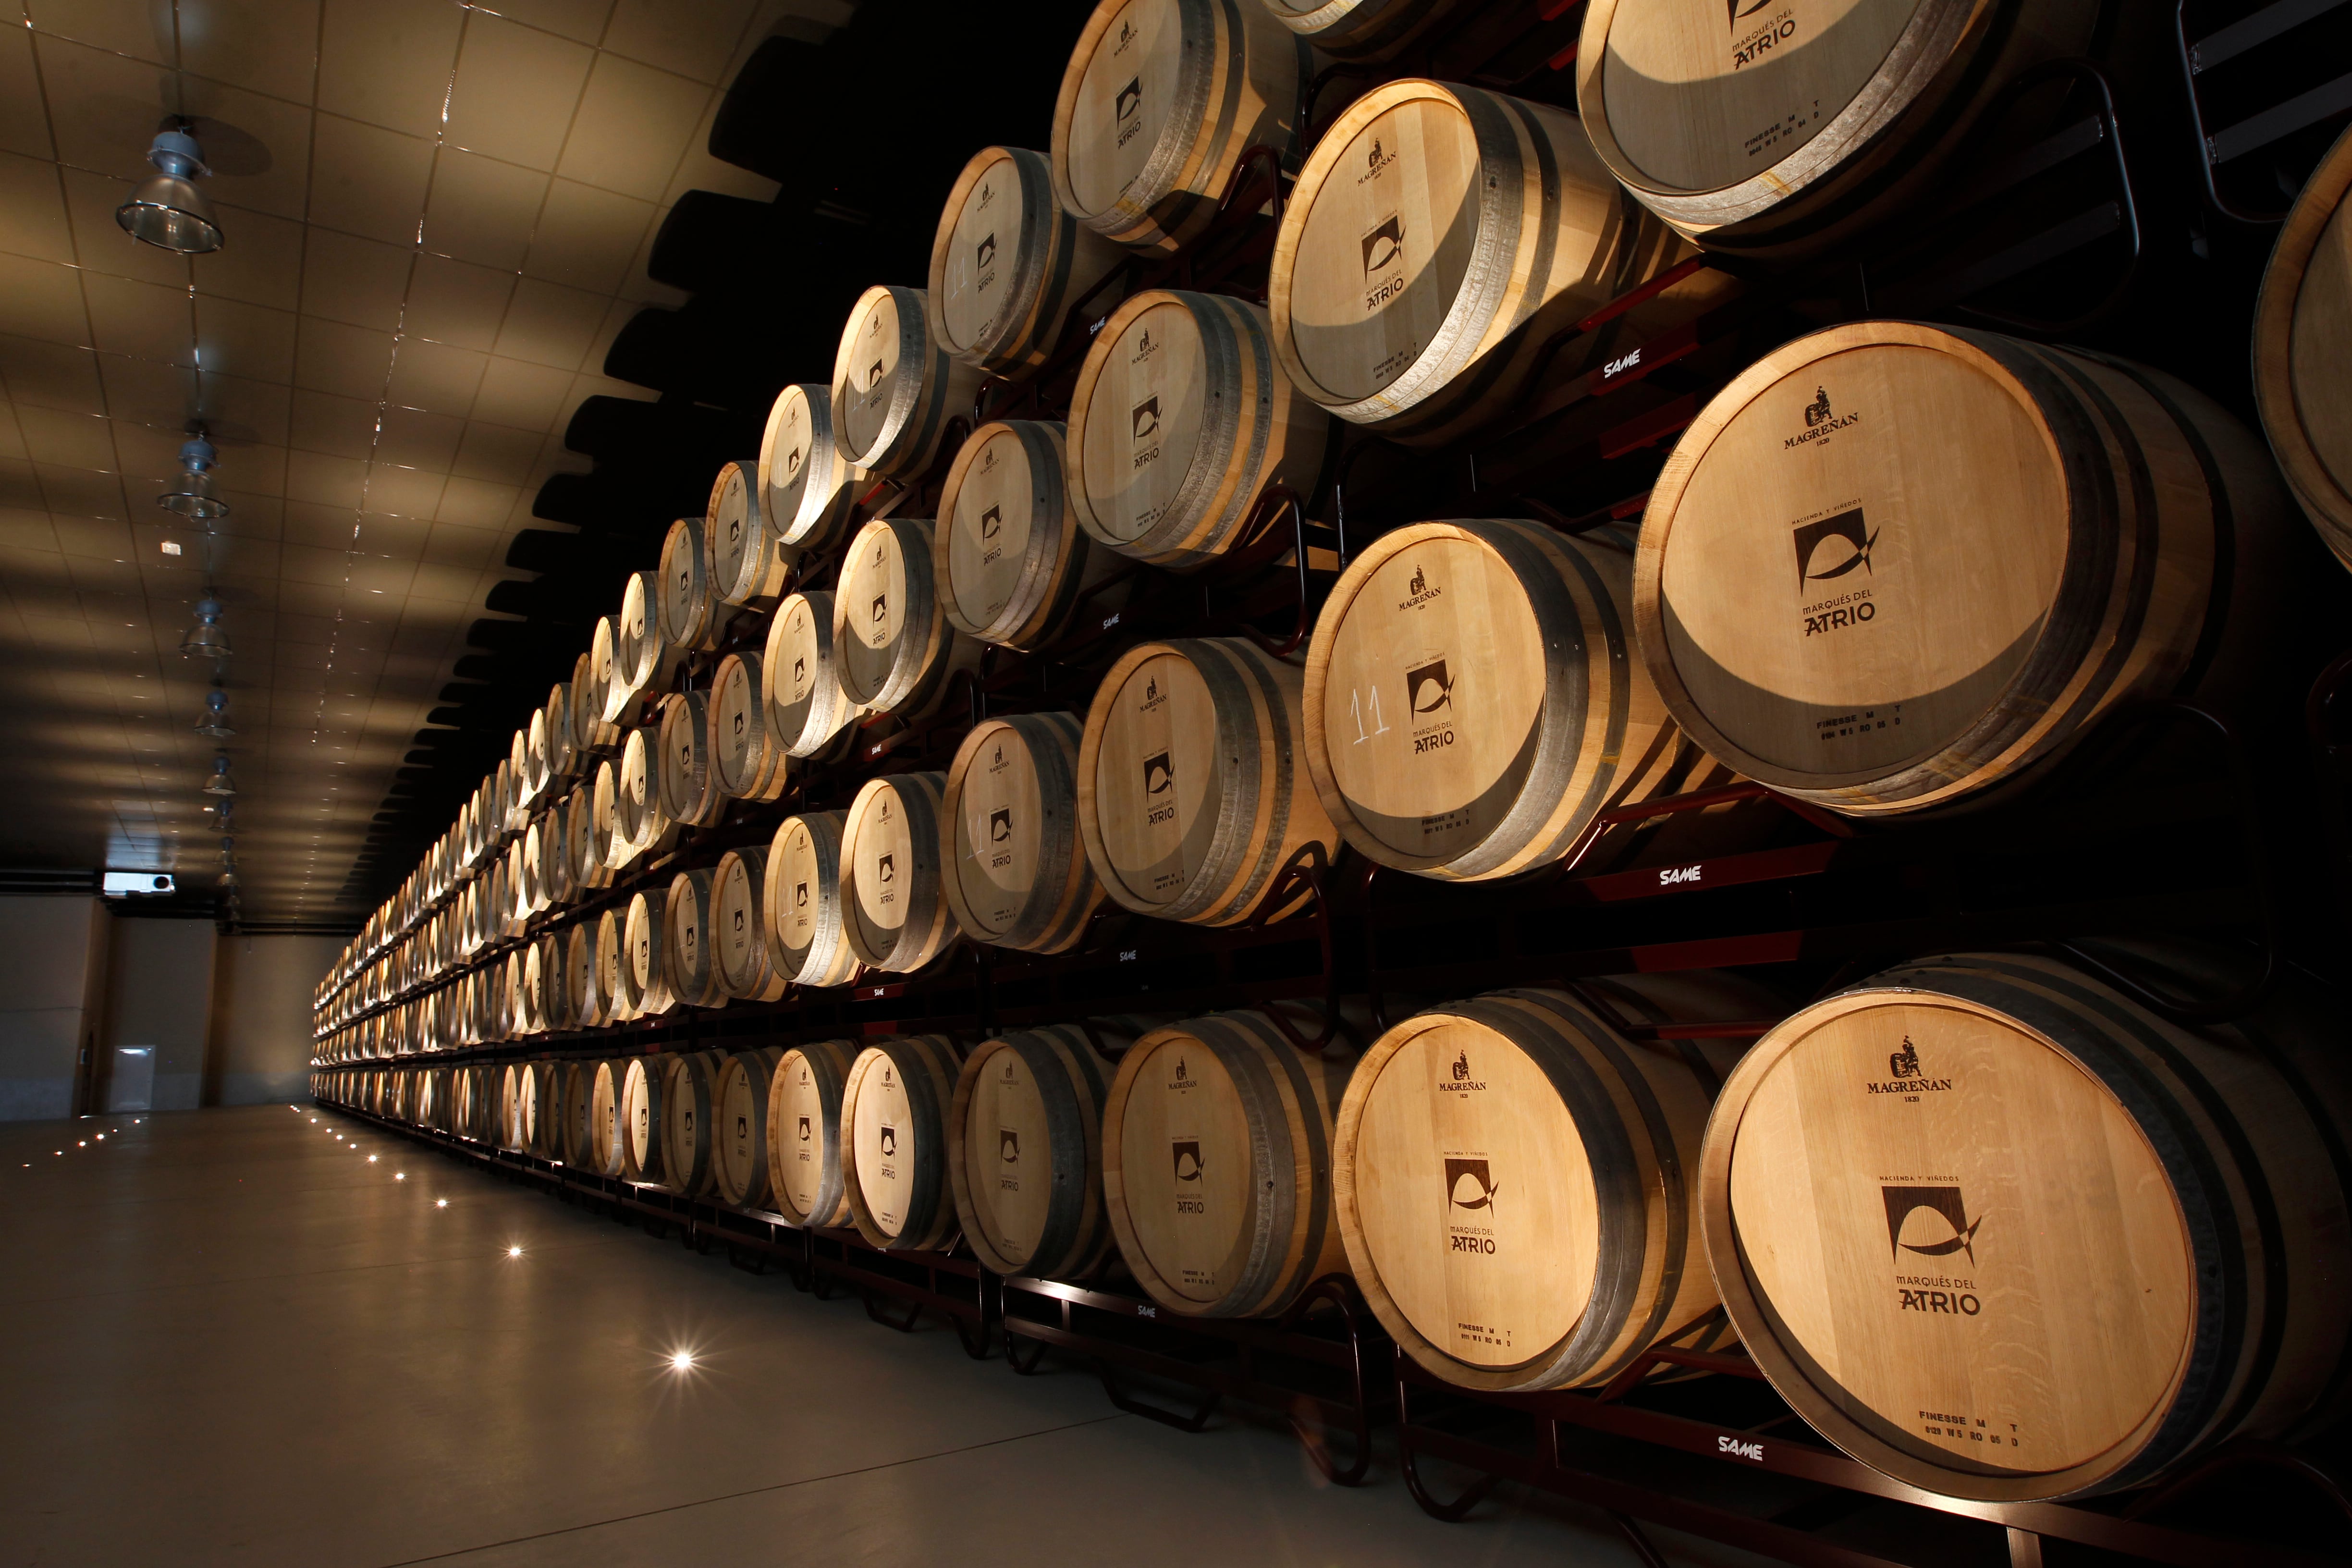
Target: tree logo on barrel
(1428,687)
(881,607)
(1470,1177)
(889,1140)
(800,669)
(985,253)
(874,376)
(799,895)
(990,521)
(1384,246)
(742,1127)
(1000,825)
(1130,99)
(738,922)
(1158,773)
(1146,418)
(1957,1232)
(1187,1153)
(887,869)
(1846,526)
(804,1128)
(1008,1146)
(793,461)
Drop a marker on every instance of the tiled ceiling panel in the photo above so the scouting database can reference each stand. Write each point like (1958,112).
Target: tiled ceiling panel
(437,216)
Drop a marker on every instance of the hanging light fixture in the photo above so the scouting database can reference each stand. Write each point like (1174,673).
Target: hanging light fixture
(220,782)
(225,879)
(214,724)
(205,639)
(198,494)
(167,210)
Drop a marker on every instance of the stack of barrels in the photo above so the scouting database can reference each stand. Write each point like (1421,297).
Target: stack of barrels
(1987,1221)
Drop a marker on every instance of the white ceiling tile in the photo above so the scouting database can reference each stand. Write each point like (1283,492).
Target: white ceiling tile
(258,147)
(20,493)
(349,361)
(33,210)
(580,20)
(447,583)
(316,567)
(369,181)
(338,427)
(140,28)
(104,108)
(587,237)
(434,376)
(100,242)
(12,436)
(148,455)
(75,440)
(53,375)
(254,522)
(238,339)
(244,408)
(261,262)
(23,126)
(416,439)
(42,299)
(695,41)
(521,394)
(482,210)
(388,62)
(474,504)
(495,453)
(515,91)
(77,493)
(141,319)
(456,303)
(633,129)
(381,533)
(358,281)
(325,480)
(550,324)
(315,527)
(401,492)
(375,576)
(268,46)
(255,468)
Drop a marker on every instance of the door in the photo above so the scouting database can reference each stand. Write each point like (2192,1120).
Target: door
(133,1082)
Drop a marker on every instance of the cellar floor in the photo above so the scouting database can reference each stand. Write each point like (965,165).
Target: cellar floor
(233,1338)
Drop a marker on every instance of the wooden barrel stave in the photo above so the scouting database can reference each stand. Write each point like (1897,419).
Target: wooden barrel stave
(807,709)
(2303,335)
(1008,557)
(800,902)
(895,389)
(893,648)
(740,1163)
(1017,874)
(738,916)
(804,1138)
(895,910)
(691,959)
(1009,264)
(807,487)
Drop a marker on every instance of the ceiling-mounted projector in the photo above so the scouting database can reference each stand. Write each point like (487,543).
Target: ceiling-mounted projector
(136,884)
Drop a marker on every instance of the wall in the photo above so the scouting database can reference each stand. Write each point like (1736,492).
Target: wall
(52,956)
(159,993)
(261,1017)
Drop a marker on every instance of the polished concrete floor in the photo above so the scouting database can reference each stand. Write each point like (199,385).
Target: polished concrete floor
(235,1337)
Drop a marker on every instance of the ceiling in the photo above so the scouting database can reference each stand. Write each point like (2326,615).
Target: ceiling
(438,216)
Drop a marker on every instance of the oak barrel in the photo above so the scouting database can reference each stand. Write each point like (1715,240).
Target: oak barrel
(1517,1180)
(1893,565)
(2001,1232)
(640,824)
(1182,417)
(1217,1148)
(644,661)
(749,561)
(691,963)
(1008,557)
(1192,799)
(894,388)
(651,985)
(1473,700)
(2302,339)
(690,1111)
(741,1164)
(1024,1147)
(692,615)
(1773,131)
(616,976)
(804,1168)
(1360,29)
(642,1109)
(894,650)
(1441,239)
(807,709)
(1009,264)
(738,939)
(579,1113)
(895,910)
(605,671)
(1159,102)
(746,757)
(590,1003)
(806,486)
(1017,874)
(801,910)
(688,780)
(894,1141)
(608,1118)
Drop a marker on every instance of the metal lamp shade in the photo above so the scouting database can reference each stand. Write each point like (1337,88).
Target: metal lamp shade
(170,213)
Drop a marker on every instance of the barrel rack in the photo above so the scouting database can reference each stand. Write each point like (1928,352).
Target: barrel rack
(1721,1458)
